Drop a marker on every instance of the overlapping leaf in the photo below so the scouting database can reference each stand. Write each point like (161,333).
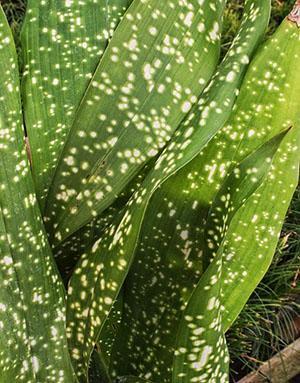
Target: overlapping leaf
(249,243)
(100,274)
(247,260)
(142,89)
(168,259)
(69,251)
(241,254)
(195,186)
(62,42)
(33,345)
(201,353)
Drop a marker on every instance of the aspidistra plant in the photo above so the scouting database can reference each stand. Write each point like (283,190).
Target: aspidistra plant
(166,176)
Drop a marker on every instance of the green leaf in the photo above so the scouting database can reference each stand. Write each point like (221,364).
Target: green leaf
(249,252)
(168,258)
(100,273)
(69,251)
(144,86)
(33,344)
(62,42)
(200,350)
(250,241)
(98,371)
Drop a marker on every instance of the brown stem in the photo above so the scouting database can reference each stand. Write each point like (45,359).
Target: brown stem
(279,369)
(294,16)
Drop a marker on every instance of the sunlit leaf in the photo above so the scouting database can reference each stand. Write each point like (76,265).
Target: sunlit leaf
(200,351)
(249,253)
(168,258)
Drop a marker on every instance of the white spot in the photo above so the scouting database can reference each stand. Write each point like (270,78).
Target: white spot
(204,358)
(7,260)
(35,364)
(2,307)
(189,19)
(147,71)
(186,106)
(230,77)
(152,31)
(184,234)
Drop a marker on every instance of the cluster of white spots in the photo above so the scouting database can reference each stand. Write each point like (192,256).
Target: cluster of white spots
(165,271)
(71,45)
(129,109)
(32,297)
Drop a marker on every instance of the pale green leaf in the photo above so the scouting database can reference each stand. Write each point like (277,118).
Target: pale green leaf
(250,247)
(200,350)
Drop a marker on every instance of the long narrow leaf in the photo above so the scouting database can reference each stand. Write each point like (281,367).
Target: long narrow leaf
(33,344)
(142,89)
(200,348)
(168,258)
(266,211)
(62,42)
(95,275)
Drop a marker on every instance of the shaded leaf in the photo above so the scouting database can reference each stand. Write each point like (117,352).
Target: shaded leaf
(62,42)
(33,344)
(101,272)
(143,87)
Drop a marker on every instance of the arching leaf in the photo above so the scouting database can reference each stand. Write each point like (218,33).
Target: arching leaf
(143,87)
(101,272)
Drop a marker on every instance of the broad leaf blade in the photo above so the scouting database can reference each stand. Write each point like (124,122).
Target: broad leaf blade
(168,258)
(200,341)
(249,253)
(33,345)
(142,89)
(62,42)
(95,275)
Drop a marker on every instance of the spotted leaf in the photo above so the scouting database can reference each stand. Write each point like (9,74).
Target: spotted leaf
(62,42)
(200,352)
(250,247)
(95,277)
(168,258)
(142,89)
(33,344)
